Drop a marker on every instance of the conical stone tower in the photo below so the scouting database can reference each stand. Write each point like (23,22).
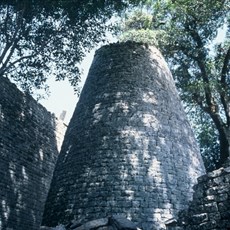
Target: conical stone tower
(129,149)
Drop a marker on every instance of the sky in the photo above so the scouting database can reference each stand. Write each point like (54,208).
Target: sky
(62,96)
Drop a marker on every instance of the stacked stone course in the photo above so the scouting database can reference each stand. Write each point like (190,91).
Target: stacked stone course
(210,207)
(30,137)
(129,149)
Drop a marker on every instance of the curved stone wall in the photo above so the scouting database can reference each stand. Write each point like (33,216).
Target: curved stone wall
(129,149)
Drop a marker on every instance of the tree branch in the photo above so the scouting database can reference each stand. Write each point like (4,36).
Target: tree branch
(223,96)
(8,43)
(11,45)
(4,52)
(16,61)
(225,67)
(212,107)
(200,59)
(5,23)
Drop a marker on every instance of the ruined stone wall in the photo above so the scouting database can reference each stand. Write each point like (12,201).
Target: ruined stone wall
(210,207)
(29,139)
(129,149)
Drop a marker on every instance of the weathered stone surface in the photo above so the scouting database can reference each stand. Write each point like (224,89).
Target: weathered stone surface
(74,224)
(93,224)
(45,228)
(121,223)
(59,227)
(129,149)
(29,139)
(210,206)
(114,222)
(199,218)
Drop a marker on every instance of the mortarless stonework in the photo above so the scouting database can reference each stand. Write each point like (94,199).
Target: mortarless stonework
(129,149)
(29,140)
(210,207)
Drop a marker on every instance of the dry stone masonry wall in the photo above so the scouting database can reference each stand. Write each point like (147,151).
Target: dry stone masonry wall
(29,141)
(210,207)
(129,149)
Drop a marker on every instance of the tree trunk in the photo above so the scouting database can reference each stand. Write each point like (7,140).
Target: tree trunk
(224,134)
(224,138)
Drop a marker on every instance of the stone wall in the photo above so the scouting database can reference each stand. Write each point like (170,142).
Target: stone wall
(210,208)
(129,149)
(29,141)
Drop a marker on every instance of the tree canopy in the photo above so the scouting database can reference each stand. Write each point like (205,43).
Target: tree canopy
(199,63)
(41,38)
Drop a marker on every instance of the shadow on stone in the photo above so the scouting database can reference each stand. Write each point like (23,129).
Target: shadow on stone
(129,149)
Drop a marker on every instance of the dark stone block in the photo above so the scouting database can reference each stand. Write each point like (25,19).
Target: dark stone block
(199,218)
(94,224)
(121,223)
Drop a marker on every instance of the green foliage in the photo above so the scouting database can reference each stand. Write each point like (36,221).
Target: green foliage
(41,38)
(138,27)
(199,64)
(141,35)
(209,145)
(138,20)
(207,136)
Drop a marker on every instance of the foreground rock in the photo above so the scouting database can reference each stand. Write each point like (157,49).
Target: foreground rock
(111,223)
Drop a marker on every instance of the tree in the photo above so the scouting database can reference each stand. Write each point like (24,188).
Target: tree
(138,26)
(41,38)
(207,136)
(199,64)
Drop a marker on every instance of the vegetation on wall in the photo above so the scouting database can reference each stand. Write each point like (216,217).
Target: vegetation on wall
(138,26)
